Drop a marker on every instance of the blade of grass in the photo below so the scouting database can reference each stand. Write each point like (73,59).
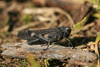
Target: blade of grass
(79,25)
(32,60)
(97,38)
(96,46)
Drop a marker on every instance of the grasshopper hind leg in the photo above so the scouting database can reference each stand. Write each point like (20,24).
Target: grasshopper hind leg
(48,44)
(30,42)
(42,39)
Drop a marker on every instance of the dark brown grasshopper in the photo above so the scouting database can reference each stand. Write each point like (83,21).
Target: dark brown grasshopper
(45,36)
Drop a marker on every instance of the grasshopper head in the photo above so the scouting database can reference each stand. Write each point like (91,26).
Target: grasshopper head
(67,31)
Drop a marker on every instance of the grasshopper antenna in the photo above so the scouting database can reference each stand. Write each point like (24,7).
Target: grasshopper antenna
(73,18)
(71,26)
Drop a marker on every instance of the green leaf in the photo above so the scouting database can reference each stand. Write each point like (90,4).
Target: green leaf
(79,25)
(97,38)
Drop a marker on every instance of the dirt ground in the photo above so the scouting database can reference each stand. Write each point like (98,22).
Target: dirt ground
(19,15)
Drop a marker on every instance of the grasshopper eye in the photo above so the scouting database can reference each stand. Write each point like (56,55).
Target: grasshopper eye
(68,29)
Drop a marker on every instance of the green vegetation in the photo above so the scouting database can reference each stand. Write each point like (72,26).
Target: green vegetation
(24,63)
(26,18)
(79,25)
(32,60)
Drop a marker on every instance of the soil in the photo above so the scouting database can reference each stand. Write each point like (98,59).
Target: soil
(13,19)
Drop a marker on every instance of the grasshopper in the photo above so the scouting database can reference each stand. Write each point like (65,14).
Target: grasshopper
(45,36)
